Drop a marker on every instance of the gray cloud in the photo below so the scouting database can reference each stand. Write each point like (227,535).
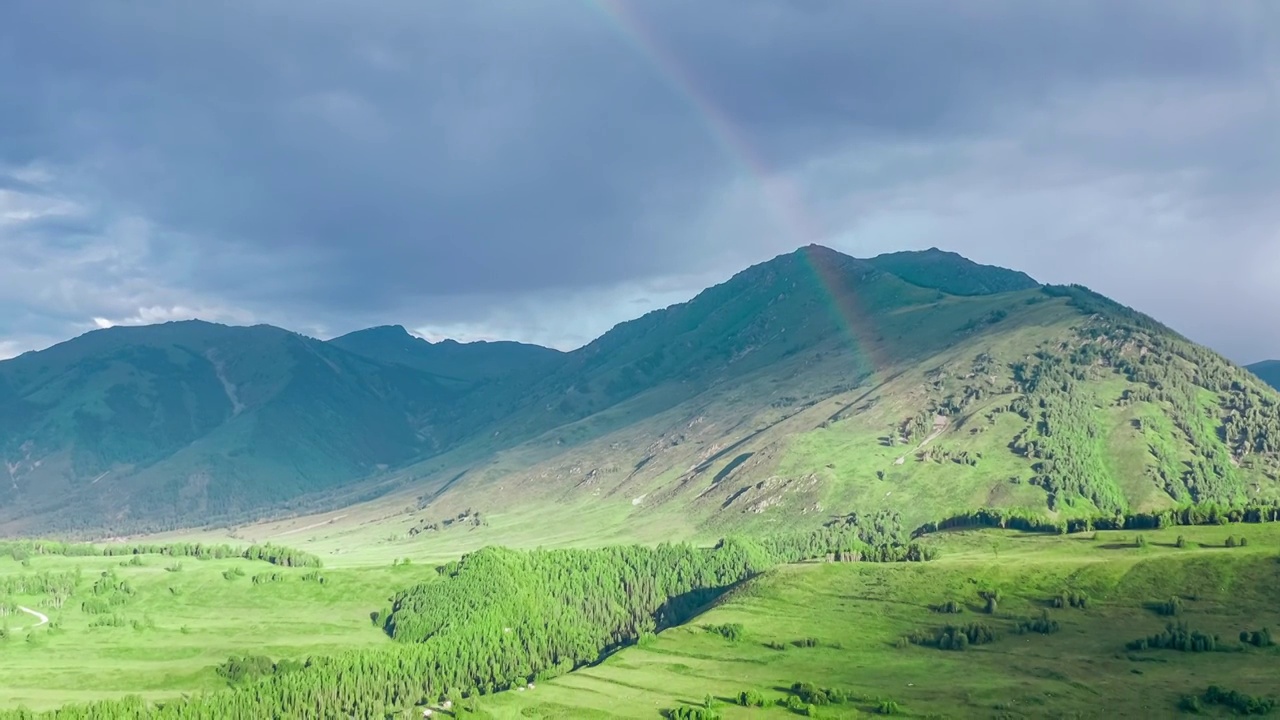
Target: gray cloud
(543,171)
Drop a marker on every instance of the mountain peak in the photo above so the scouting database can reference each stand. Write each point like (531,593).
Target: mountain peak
(447,359)
(952,272)
(385,331)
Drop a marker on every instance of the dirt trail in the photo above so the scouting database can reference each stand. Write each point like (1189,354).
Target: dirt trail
(312,526)
(940,423)
(36,614)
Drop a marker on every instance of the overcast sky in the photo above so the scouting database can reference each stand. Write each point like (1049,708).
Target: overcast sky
(542,170)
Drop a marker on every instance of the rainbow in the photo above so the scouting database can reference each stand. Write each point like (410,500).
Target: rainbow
(778,194)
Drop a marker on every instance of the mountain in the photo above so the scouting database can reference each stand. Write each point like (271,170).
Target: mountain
(463,364)
(1268,370)
(818,384)
(808,385)
(161,425)
(952,273)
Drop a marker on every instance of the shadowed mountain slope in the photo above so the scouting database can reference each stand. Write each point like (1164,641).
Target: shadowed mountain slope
(1268,370)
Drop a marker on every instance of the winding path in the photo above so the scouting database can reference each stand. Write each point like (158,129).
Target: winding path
(36,614)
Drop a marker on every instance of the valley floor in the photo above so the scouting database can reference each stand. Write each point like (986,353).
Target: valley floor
(835,625)
(166,635)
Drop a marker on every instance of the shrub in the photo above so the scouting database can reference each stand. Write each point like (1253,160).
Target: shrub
(1177,637)
(1237,701)
(1180,542)
(810,694)
(1043,625)
(729,631)
(1071,598)
(1170,607)
(888,707)
(954,637)
(1231,541)
(691,712)
(751,698)
(1257,638)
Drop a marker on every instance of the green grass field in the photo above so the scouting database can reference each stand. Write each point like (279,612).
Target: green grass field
(199,619)
(858,612)
(192,619)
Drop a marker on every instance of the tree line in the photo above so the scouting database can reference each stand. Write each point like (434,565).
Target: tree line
(274,554)
(1210,513)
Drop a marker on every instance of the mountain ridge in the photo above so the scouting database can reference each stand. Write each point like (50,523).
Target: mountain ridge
(464,363)
(810,381)
(1268,371)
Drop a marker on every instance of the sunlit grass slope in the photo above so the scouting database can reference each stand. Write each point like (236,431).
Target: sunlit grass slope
(858,613)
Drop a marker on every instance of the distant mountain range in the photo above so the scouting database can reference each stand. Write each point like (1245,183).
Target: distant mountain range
(1268,370)
(809,384)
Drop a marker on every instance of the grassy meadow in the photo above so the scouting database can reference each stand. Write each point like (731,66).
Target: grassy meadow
(188,621)
(857,613)
(835,625)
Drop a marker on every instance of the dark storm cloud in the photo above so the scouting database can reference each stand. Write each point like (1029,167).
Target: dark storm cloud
(488,167)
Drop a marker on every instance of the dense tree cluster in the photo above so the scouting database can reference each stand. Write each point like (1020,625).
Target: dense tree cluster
(252,667)
(1063,445)
(1178,637)
(1225,412)
(692,712)
(729,631)
(953,637)
(274,554)
(1234,700)
(1257,638)
(40,583)
(811,694)
(879,537)
(1030,521)
(950,607)
(1071,598)
(1043,624)
(1168,608)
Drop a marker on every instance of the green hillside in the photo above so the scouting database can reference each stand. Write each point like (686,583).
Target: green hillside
(1268,370)
(809,385)
(1052,402)
(170,424)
